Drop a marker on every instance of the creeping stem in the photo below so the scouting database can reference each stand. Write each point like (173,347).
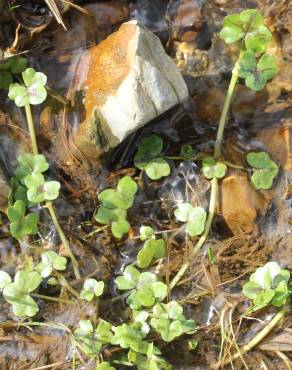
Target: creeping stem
(49,205)
(204,236)
(227,101)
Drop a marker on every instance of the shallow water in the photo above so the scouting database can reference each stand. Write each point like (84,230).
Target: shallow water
(188,30)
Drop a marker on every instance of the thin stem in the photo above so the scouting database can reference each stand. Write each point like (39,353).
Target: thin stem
(227,101)
(49,205)
(260,336)
(31,129)
(63,282)
(48,298)
(204,236)
(65,242)
(236,166)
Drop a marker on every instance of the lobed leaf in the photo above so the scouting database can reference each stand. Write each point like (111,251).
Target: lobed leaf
(264,170)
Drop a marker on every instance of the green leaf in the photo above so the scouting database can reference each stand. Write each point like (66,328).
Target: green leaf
(268,284)
(91,288)
(21,225)
(17,64)
(130,336)
(212,169)
(30,77)
(148,149)
(19,94)
(51,261)
(6,79)
(87,338)
(168,320)
(187,152)
(17,293)
(196,222)
(27,282)
(22,304)
(51,190)
(148,362)
(129,279)
(152,249)
(183,212)
(116,217)
(104,332)
(33,92)
(264,170)
(29,164)
(256,74)
(105,366)
(147,157)
(123,197)
(248,25)
(157,168)
(5,279)
(195,218)
(39,190)
(146,232)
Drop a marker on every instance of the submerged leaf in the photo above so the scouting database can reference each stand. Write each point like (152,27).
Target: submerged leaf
(194,217)
(148,158)
(264,170)
(212,169)
(21,225)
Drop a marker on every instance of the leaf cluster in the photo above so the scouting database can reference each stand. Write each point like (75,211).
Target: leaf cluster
(249,27)
(149,159)
(169,321)
(152,248)
(92,339)
(51,261)
(268,285)
(91,288)
(114,206)
(193,217)
(33,90)
(264,170)
(28,189)
(144,289)
(17,293)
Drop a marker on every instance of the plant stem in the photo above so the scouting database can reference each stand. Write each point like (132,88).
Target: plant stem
(63,282)
(48,298)
(259,337)
(31,129)
(227,101)
(204,236)
(49,205)
(65,242)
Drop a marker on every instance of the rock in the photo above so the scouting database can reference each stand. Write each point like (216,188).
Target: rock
(240,203)
(126,81)
(278,143)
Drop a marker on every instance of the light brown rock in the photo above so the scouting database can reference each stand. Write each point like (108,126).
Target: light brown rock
(278,141)
(240,203)
(126,81)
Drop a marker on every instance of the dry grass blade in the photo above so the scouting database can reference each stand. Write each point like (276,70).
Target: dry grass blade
(55,11)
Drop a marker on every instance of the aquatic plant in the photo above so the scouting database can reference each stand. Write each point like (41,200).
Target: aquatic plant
(115,203)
